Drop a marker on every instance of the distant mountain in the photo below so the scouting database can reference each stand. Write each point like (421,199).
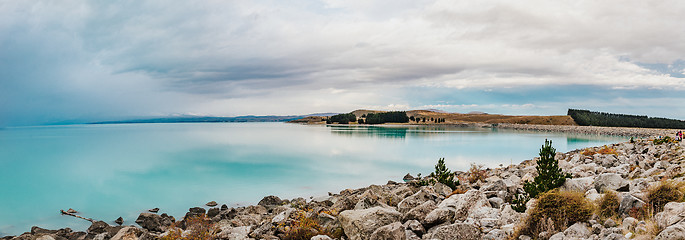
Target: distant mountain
(198,119)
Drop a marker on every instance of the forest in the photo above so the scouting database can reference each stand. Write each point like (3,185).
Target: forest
(589,118)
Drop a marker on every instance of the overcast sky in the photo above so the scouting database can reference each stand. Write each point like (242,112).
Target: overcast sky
(98,60)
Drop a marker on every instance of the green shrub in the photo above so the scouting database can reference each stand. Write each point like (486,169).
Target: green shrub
(665,192)
(560,209)
(444,175)
(608,205)
(549,176)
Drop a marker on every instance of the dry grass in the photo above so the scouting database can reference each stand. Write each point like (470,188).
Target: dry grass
(304,227)
(476,172)
(607,206)
(666,191)
(555,211)
(603,150)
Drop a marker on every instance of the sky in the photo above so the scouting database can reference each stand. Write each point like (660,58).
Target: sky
(63,61)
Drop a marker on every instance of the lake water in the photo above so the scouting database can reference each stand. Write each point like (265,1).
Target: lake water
(107,171)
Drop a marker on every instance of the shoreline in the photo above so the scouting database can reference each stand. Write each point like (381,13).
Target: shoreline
(590,130)
(411,205)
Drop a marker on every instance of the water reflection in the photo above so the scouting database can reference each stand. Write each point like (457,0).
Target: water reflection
(400,132)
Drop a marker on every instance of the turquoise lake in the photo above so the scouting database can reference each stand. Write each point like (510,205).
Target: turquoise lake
(107,171)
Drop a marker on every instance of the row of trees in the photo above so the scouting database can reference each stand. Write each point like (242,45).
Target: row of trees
(344,118)
(424,119)
(589,118)
(387,117)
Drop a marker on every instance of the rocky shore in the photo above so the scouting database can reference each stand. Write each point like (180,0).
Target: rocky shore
(480,209)
(614,131)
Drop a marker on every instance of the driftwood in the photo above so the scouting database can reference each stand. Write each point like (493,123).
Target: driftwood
(77,216)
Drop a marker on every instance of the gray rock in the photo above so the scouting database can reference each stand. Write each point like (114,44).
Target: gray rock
(154,210)
(127,233)
(611,181)
(391,231)
(558,236)
(439,216)
(212,204)
(496,234)
(673,232)
(151,222)
(321,237)
(234,233)
(213,212)
(270,201)
(674,212)
(495,186)
(578,184)
(464,204)
(442,189)
(464,231)
(510,216)
(577,230)
(609,223)
(628,202)
(416,199)
(629,224)
(360,224)
(119,221)
(420,212)
(496,202)
(194,212)
(414,226)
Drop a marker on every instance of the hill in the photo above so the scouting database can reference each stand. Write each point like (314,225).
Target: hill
(460,118)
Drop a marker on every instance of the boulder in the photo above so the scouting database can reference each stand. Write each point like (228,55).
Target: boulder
(628,202)
(495,186)
(496,202)
(442,189)
(496,234)
(674,212)
(420,212)
(416,199)
(510,216)
(151,222)
(119,221)
(234,233)
(464,231)
(414,226)
(629,224)
(391,231)
(154,210)
(674,232)
(611,181)
(270,201)
(98,227)
(577,231)
(212,212)
(439,216)
(127,233)
(212,204)
(360,224)
(578,184)
(464,204)
(320,237)
(194,212)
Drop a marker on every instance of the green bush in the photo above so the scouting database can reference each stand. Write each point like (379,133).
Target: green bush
(444,175)
(549,176)
(555,211)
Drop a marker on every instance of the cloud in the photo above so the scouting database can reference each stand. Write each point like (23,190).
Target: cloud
(77,59)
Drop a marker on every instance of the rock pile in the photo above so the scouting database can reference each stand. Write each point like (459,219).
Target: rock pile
(477,210)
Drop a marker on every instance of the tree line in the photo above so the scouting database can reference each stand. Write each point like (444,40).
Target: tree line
(589,118)
(371,118)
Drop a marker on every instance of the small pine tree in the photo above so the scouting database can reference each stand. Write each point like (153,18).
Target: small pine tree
(444,175)
(549,176)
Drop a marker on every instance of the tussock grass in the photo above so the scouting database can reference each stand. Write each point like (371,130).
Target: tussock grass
(555,211)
